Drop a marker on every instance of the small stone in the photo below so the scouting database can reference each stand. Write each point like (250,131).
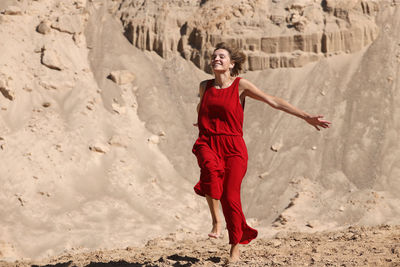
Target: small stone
(78,38)
(44,27)
(51,59)
(118,141)
(281,235)
(79,4)
(6,91)
(118,109)
(100,148)
(276,147)
(341,208)
(58,148)
(323,93)
(314,148)
(296,180)
(312,223)
(89,106)
(46,104)
(121,76)
(154,139)
(68,23)
(21,201)
(28,89)
(263,175)
(281,220)
(276,243)
(162,133)
(12,10)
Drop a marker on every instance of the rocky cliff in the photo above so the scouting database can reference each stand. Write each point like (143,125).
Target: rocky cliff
(273,34)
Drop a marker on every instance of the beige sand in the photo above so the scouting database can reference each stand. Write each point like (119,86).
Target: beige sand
(354,246)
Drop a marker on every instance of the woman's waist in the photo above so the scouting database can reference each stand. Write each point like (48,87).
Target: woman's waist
(220,128)
(224,145)
(208,133)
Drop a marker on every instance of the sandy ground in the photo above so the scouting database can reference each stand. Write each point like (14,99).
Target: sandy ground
(353,246)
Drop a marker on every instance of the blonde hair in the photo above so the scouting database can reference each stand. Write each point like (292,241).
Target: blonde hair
(237,56)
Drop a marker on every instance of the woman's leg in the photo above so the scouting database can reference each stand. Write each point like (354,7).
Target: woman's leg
(213,204)
(234,254)
(210,184)
(239,231)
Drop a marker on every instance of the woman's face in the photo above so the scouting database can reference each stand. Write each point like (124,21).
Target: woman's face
(220,61)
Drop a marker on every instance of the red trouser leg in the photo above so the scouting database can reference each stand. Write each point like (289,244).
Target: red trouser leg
(211,173)
(239,231)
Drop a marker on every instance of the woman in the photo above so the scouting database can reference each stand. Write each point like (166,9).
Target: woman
(220,149)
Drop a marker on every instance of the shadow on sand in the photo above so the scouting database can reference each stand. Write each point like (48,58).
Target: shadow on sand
(179,261)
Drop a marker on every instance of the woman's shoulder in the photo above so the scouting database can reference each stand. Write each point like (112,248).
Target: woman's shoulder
(206,81)
(204,84)
(244,81)
(245,84)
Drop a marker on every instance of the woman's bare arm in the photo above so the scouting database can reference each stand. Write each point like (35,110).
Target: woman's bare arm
(202,89)
(252,91)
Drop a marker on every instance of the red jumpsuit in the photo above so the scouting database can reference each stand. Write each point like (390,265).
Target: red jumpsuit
(222,156)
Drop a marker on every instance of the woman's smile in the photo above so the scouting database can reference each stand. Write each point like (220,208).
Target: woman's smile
(220,58)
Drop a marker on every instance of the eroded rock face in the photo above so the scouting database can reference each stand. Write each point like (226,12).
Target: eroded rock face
(272,34)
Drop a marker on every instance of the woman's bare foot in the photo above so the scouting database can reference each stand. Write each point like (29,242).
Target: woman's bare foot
(216,230)
(235,253)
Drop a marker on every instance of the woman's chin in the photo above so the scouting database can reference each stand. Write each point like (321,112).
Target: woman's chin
(219,70)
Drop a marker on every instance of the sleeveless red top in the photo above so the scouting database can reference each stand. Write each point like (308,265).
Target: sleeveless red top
(220,110)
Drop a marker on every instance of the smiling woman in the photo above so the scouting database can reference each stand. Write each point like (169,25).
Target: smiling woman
(220,149)
(222,53)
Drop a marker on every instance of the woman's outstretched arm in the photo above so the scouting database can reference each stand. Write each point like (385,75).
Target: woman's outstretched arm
(252,91)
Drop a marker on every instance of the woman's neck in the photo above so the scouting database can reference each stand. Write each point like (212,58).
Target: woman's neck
(223,80)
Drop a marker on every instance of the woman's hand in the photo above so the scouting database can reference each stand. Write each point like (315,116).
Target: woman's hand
(317,122)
